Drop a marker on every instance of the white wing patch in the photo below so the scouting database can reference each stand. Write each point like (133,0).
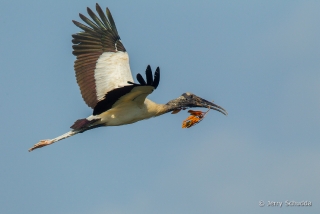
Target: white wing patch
(112,71)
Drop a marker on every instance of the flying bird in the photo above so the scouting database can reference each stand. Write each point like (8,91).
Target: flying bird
(106,84)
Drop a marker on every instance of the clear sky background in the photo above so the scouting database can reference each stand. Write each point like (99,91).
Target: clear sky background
(260,60)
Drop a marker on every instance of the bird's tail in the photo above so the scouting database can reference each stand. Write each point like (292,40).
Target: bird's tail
(85,123)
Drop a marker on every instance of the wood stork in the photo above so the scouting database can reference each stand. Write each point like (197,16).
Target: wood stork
(106,84)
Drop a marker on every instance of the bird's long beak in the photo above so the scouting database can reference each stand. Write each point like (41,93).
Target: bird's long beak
(189,100)
(200,102)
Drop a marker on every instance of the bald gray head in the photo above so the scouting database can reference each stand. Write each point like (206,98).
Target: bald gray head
(189,100)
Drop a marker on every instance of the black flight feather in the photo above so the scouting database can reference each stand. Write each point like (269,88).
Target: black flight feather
(90,23)
(95,18)
(151,81)
(102,16)
(156,79)
(111,21)
(141,80)
(149,75)
(85,28)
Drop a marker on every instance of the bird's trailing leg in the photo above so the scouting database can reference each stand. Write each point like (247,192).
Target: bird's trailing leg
(43,143)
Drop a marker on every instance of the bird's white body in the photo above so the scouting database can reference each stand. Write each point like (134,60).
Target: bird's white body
(128,112)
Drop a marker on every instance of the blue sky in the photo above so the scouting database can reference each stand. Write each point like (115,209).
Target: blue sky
(257,59)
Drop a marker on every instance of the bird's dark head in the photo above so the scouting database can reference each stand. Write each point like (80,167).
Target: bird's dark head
(189,100)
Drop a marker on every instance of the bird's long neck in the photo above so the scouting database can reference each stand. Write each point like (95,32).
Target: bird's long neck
(171,105)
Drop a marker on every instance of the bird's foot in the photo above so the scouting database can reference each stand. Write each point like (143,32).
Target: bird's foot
(42,143)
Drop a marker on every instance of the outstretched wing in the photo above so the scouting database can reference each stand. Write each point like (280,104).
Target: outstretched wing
(133,92)
(102,62)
